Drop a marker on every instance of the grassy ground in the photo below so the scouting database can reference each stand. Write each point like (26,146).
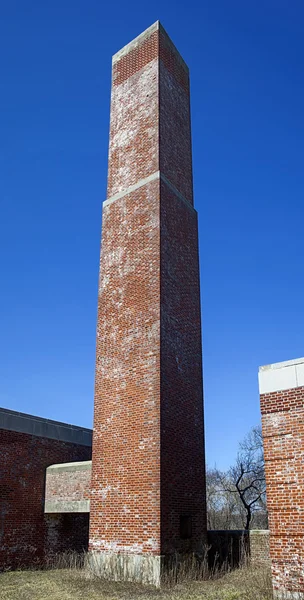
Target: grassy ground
(71,584)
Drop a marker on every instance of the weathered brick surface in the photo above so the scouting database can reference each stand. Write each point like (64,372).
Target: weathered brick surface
(259,547)
(148,446)
(283,434)
(23,461)
(182,443)
(68,485)
(175,160)
(126,441)
(134,135)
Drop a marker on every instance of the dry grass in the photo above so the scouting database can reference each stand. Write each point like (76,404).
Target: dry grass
(74,584)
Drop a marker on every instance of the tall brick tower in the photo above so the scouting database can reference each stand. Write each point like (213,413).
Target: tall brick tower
(148,472)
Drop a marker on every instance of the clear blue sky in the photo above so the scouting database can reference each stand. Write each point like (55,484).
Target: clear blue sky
(246,63)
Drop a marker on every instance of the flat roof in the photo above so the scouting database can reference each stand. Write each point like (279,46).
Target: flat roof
(12,420)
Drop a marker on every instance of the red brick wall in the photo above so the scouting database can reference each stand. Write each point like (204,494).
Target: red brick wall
(175,160)
(148,448)
(283,434)
(182,443)
(23,461)
(126,440)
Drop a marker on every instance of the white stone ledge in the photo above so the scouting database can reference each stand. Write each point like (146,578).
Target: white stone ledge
(83,465)
(132,188)
(157,175)
(281,376)
(67,506)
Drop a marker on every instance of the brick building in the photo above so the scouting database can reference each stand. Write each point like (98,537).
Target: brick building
(282,407)
(28,445)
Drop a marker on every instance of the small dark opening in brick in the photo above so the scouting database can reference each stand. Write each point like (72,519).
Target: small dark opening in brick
(185,527)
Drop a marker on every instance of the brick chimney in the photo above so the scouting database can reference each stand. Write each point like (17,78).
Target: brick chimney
(148,469)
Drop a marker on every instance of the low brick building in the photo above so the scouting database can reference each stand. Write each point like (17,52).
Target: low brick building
(28,445)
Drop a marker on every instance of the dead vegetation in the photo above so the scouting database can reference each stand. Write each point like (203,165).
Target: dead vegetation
(66,579)
(72,584)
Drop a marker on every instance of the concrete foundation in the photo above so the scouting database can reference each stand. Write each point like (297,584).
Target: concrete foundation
(137,568)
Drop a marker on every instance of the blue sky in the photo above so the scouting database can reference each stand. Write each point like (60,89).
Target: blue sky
(246,64)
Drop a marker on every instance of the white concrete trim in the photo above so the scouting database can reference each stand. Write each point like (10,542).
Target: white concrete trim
(132,188)
(144,181)
(281,376)
(67,506)
(280,365)
(72,466)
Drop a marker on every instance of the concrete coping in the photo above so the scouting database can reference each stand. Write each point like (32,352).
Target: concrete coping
(67,506)
(281,376)
(281,365)
(140,38)
(38,426)
(72,466)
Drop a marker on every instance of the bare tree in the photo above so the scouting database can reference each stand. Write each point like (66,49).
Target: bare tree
(236,499)
(223,508)
(248,475)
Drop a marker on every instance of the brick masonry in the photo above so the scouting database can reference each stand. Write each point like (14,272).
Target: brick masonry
(259,547)
(24,456)
(148,469)
(282,407)
(67,487)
